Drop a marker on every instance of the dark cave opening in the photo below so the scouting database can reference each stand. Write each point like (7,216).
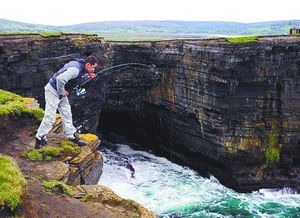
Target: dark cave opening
(145,130)
(124,127)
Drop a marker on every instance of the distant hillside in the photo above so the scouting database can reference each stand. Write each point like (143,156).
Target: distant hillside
(14,26)
(160,27)
(187,27)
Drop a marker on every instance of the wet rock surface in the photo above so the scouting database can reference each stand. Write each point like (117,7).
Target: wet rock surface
(225,109)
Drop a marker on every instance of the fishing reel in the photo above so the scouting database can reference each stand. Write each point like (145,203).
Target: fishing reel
(80,91)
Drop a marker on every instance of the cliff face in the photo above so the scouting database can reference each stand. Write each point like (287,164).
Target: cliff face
(230,110)
(225,109)
(28,61)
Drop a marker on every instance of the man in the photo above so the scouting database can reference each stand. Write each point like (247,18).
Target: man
(56,98)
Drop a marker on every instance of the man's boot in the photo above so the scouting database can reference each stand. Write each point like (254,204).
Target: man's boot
(40,142)
(44,141)
(76,140)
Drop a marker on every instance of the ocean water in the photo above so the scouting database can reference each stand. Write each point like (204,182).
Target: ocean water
(171,190)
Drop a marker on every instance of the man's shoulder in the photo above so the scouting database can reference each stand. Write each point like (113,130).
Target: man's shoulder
(73,69)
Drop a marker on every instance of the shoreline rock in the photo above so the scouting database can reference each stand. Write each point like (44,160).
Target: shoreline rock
(82,169)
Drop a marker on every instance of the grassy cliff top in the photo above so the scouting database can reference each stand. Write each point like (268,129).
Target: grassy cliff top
(12,183)
(14,105)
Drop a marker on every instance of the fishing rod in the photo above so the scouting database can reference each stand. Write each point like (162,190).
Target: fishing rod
(81,91)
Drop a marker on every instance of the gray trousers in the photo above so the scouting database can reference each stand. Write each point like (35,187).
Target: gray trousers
(52,104)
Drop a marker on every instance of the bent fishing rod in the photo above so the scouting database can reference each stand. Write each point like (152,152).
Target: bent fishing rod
(112,68)
(80,91)
(105,72)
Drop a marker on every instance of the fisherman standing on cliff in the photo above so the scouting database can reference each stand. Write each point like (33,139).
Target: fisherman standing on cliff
(56,98)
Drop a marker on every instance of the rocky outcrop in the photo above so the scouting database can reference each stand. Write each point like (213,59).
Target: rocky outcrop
(82,168)
(86,168)
(73,168)
(98,194)
(225,109)
(51,166)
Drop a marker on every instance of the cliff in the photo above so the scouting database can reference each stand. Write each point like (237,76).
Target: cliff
(58,180)
(226,109)
(27,61)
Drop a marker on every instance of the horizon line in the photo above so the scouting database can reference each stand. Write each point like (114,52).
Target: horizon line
(91,22)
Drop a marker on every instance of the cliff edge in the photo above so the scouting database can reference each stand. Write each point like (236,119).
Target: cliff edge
(60,178)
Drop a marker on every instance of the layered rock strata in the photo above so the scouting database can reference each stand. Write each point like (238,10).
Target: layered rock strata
(225,109)
(28,61)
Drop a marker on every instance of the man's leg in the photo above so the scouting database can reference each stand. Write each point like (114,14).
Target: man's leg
(64,109)
(52,102)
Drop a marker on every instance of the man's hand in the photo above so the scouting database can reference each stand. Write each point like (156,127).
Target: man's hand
(64,94)
(92,75)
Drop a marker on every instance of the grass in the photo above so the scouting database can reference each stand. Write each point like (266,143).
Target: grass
(58,186)
(12,183)
(50,34)
(88,197)
(88,137)
(66,148)
(91,36)
(13,105)
(37,113)
(115,200)
(43,34)
(6,96)
(18,33)
(133,38)
(272,152)
(242,39)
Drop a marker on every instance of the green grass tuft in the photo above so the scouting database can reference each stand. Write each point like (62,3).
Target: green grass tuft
(91,36)
(88,197)
(66,148)
(12,183)
(58,186)
(34,155)
(130,203)
(51,151)
(69,148)
(6,96)
(37,113)
(13,105)
(242,39)
(272,153)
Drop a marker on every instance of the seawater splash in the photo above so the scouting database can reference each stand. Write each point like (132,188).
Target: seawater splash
(170,190)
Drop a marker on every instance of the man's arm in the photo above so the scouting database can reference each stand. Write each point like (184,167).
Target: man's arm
(62,79)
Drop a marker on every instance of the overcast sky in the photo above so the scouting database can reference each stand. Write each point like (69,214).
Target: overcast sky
(63,12)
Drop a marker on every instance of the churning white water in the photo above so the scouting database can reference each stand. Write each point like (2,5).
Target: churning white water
(170,190)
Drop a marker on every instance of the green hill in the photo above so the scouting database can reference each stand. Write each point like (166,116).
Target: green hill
(159,29)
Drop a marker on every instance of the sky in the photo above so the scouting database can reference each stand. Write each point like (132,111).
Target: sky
(66,12)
